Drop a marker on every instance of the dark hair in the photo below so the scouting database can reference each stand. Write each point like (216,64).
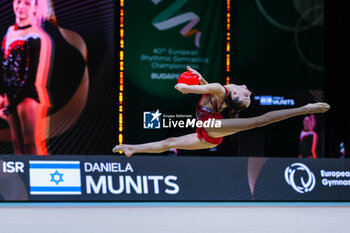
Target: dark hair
(234,106)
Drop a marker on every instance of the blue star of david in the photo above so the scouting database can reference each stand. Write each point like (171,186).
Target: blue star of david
(54,176)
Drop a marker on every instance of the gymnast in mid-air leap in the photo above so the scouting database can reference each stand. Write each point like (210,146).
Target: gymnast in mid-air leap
(215,99)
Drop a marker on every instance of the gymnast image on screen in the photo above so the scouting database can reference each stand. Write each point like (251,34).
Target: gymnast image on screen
(215,99)
(19,62)
(40,60)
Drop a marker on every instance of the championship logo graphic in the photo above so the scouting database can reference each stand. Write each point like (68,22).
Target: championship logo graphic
(295,176)
(166,20)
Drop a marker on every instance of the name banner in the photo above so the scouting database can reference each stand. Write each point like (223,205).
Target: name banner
(149,178)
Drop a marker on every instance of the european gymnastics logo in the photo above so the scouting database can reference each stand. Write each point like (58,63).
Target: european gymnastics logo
(301,186)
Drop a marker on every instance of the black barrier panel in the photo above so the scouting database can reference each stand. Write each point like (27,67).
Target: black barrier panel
(307,179)
(146,178)
(107,178)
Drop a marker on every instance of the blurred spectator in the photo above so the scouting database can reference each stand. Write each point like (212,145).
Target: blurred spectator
(308,138)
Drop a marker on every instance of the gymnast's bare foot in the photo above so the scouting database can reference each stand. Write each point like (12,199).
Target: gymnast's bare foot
(126,149)
(319,107)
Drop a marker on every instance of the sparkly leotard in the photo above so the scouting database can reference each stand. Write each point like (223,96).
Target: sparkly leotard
(204,113)
(19,63)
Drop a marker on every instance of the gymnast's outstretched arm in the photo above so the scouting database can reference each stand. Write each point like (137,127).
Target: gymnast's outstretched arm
(210,88)
(216,89)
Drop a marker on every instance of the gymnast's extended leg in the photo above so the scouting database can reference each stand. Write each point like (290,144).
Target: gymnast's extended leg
(228,127)
(27,110)
(235,125)
(186,142)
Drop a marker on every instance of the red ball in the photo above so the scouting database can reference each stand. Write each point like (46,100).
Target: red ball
(188,78)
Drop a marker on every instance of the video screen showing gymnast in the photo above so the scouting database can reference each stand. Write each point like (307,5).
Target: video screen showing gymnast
(45,76)
(31,75)
(19,98)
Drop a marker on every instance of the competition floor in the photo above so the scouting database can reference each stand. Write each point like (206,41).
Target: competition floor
(191,217)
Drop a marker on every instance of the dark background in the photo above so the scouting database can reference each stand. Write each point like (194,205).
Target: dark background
(336,73)
(94,133)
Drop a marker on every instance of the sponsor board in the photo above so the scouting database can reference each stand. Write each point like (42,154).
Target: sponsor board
(150,178)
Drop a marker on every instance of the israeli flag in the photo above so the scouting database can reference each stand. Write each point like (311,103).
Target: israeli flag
(54,177)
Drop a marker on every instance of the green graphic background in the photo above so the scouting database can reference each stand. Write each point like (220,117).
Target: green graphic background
(143,39)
